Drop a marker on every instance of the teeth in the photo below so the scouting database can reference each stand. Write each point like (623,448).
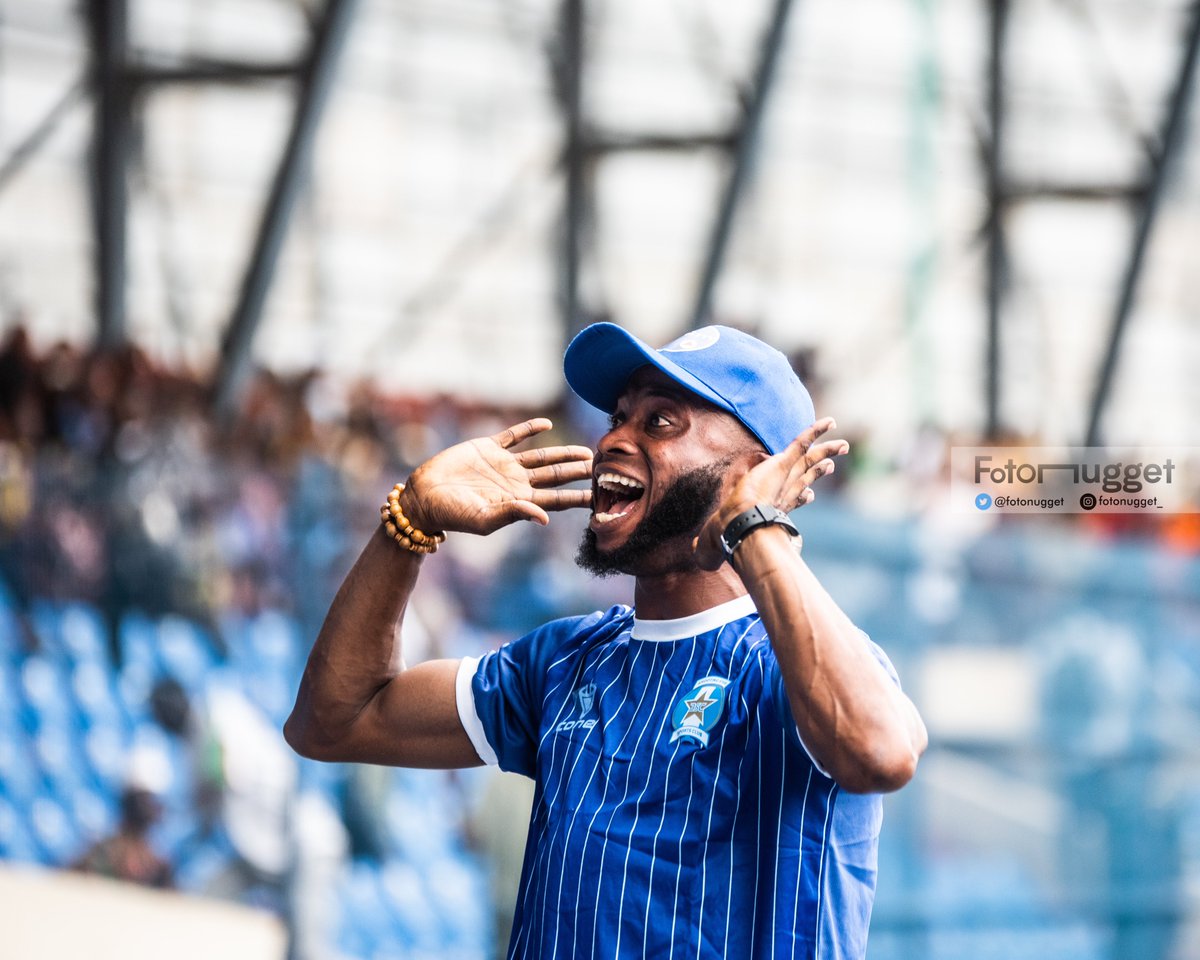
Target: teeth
(608,517)
(614,481)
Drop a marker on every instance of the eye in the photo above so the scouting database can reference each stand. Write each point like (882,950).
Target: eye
(615,420)
(658,420)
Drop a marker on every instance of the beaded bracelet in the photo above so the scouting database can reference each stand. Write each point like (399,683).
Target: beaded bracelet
(404,533)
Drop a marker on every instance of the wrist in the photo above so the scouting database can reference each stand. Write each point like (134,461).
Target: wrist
(411,506)
(763,548)
(402,529)
(749,522)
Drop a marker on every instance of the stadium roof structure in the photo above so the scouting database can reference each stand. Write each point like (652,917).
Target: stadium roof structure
(981,214)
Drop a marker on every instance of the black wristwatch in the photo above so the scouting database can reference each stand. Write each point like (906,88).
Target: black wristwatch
(760,515)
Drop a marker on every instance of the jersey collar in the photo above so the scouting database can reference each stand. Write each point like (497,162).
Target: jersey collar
(698,623)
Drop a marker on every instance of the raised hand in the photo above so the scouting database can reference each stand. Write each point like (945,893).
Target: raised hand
(784,480)
(480,485)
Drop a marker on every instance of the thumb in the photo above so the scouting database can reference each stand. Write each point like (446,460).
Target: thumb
(515,510)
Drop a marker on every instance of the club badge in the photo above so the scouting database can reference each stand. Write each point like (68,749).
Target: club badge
(698,712)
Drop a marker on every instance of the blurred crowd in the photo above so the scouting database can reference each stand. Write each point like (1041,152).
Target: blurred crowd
(207,553)
(119,487)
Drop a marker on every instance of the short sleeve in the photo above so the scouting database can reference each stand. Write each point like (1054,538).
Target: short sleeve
(501,710)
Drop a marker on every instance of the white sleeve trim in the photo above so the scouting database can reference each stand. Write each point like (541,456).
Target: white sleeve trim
(468,715)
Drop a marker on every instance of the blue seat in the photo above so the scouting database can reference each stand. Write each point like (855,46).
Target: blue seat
(96,697)
(45,618)
(20,776)
(106,749)
(94,813)
(458,892)
(58,839)
(138,639)
(134,682)
(365,917)
(59,750)
(83,634)
(43,686)
(413,914)
(17,842)
(185,652)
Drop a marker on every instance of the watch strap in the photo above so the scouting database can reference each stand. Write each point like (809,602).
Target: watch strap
(760,515)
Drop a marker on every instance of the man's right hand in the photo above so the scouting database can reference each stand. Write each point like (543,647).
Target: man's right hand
(480,485)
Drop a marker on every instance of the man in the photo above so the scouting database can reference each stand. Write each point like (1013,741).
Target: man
(707,768)
(128,854)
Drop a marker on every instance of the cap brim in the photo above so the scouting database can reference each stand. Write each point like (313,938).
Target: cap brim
(602,357)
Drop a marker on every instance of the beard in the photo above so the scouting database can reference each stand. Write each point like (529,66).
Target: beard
(680,513)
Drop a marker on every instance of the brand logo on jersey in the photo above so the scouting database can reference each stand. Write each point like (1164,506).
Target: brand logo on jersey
(698,712)
(585,699)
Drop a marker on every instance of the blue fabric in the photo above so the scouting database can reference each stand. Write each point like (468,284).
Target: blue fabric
(733,370)
(676,813)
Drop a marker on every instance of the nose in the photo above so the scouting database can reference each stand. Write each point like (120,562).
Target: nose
(618,440)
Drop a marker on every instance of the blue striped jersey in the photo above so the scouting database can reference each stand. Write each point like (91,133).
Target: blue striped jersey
(676,812)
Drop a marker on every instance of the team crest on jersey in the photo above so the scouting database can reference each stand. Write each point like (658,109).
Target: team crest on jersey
(698,712)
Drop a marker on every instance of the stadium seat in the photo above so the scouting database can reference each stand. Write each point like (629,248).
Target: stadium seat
(20,776)
(58,838)
(17,842)
(83,634)
(184,651)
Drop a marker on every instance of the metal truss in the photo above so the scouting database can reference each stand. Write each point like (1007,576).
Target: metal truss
(115,80)
(585,146)
(1144,196)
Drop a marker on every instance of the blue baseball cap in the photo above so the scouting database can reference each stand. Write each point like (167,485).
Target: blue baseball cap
(730,369)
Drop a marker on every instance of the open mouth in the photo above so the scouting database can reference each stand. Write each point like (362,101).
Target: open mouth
(614,497)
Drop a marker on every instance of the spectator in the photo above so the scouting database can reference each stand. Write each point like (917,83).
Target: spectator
(127,855)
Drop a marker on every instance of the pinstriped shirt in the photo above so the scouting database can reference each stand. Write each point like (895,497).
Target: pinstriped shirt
(676,811)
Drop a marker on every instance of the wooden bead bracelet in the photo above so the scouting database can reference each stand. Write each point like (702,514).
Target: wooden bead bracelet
(404,533)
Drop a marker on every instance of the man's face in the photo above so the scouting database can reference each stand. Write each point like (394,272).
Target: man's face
(658,475)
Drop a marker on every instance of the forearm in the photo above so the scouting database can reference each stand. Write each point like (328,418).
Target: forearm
(358,650)
(851,716)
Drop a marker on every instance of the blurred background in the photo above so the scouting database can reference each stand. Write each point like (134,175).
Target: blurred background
(258,258)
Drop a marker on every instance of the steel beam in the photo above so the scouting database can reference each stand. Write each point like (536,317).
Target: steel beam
(575,157)
(213,71)
(742,161)
(1154,179)
(600,144)
(998,30)
(315,81)
(109,27)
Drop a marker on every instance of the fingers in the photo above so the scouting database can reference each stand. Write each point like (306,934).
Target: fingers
(543,456)
(522,431)
(562,499)
(803,475)
(558,474)
(510,511)
(814,462)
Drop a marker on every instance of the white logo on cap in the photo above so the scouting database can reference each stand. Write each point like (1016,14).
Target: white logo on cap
(696,340)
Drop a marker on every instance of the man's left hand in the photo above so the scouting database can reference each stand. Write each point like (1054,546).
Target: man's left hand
(784,480)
